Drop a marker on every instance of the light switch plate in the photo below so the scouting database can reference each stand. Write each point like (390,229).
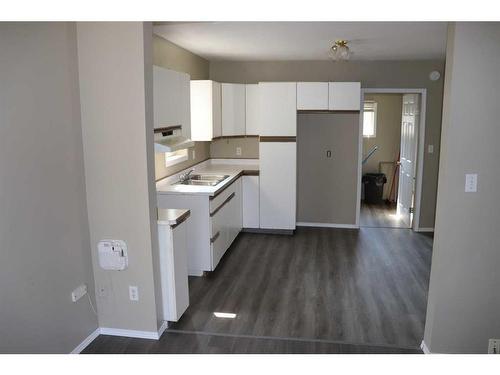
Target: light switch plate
(471,183)
(494,346)
(238,151)
(194,154)
(430,149)
(133,293)
(79,292)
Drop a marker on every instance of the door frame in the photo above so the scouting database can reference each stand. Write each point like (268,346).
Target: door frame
(415,225)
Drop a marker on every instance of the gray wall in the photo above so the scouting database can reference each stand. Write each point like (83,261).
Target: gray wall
(463,304)
(226,148)
(117,129)
(326,187)
(372,74)
(44,234)
(388,136)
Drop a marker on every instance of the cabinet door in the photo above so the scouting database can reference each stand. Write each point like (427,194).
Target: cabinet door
(278,161)
(344,96)
(166,98)
(216,109)
(233,109)
(180,270)
(201,110)
(312,95)
(250,201)
(278,108)
(185,104)
(252,110)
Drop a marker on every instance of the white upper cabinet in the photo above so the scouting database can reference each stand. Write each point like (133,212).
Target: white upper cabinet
(344,96)
(278,108)
(252,109)
(312,95)
(205,110)
(171,99)
(233,109)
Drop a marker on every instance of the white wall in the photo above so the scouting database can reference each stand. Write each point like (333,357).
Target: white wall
(44,234)
(464,301)
(115,66)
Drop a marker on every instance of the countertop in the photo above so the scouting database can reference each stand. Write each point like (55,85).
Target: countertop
(171,216)
(232,167)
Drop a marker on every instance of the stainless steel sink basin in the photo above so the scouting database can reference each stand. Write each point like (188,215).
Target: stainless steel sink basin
(203,180)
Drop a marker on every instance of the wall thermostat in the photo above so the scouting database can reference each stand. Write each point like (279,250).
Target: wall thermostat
(112,255)
(434,75)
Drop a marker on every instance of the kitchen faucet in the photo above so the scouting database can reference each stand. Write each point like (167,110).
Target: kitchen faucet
(185,176)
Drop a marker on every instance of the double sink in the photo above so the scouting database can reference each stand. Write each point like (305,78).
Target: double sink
(203,180)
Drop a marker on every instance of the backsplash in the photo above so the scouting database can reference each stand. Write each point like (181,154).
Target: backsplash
(226,148)
(202,152)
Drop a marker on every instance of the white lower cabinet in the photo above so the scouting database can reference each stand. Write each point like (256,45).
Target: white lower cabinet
(212,226)
(250,201)
(278,185)
(173,270)
(225,220)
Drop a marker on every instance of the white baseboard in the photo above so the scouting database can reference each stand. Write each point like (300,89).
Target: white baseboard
(120,332)
(424,348)
(162,329)
(424,229)
(153,335)
(327,225)
(86,342)
(195,273)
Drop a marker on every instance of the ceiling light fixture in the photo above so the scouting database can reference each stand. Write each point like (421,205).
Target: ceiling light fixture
(340,50)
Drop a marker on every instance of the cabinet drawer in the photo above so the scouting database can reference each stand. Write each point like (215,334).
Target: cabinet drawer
(217,248)
(235,187)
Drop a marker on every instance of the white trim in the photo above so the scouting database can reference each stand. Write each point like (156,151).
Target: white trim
(130,333)
(420,153)
(421,229)
(327,225)
(163,328)
(424,348)
(86,342)
(195,272)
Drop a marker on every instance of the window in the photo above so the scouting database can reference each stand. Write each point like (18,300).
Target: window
(175,157)
(369,119)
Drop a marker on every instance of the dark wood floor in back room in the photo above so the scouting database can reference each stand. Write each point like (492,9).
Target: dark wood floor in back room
(321,290)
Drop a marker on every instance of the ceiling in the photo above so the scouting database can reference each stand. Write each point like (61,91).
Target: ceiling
(267,41)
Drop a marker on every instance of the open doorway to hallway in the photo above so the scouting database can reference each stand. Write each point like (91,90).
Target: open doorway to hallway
(391,181)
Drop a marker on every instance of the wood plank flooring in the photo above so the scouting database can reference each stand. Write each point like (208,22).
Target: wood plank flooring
(380,216)
(309,292)
(196,343)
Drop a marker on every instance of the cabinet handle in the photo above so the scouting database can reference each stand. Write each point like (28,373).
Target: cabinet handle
(214,238)
(222,204)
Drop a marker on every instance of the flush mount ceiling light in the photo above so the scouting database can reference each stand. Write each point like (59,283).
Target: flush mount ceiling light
(340,51)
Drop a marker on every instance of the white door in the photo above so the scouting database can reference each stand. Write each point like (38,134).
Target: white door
(408,156)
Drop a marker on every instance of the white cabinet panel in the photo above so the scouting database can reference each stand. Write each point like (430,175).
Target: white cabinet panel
(185,105)
(278,185)
(173,270)
(278,108)
(344,96)
(250,204)
(252,109)
(233,109)
(312,95)
(169,98)
(205,110)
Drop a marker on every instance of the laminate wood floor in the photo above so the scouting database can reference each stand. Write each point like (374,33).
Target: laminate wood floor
(187,343)
(321,290)
(380,216)
(366,286)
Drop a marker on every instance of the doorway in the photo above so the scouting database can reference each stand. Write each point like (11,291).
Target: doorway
(392,128)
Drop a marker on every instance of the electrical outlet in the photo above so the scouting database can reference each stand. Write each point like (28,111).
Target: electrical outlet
(79,292)
(494,346)
(430,149)
(238,151)
(193,153)
(133,293)
(471,183)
